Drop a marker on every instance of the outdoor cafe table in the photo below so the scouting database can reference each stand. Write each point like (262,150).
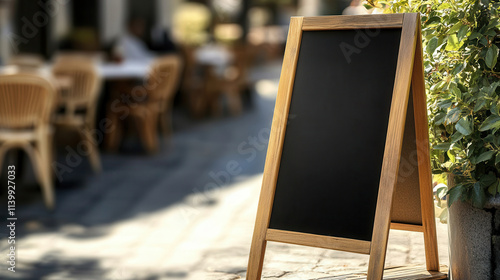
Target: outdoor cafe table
(213,61)
(126,70)
(120,79)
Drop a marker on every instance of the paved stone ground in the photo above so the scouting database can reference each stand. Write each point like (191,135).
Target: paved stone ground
(175,215)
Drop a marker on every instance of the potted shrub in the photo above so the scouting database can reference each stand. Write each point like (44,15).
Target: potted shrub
(461,41)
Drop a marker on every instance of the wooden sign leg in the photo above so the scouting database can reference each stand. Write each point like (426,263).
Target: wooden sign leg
(394,144)
(256,261)
(424,170)
(258,249)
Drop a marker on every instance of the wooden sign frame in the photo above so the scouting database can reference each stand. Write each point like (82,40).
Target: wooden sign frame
(409,79)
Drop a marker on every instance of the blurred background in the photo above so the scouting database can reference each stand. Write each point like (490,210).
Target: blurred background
(134,135)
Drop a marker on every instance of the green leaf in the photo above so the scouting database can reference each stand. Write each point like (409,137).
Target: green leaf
(444,6)
(442,146)
(475,35)
(490,33)
(438,86)
(455,193)
(488,179)
(464,126)
(491,56)
(431,46)
(461,86)
(453,44)
(453,115)
(497,159)
(493,23)
(490,139)
(444,104)
(479,104)
(471,149)
(451,156)
(491,89)
(494,108)
(478,198)
(455,28)
(439,119)
(456,70)
(485,156)
(490,123)
(483,41)
(493,188)
(432,21)
(456,137)
(462,32)
(455,90)
(441,192)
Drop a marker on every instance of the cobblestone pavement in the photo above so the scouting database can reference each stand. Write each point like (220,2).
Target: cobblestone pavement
(186,213)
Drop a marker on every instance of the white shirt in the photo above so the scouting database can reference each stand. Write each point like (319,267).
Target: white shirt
(133,48)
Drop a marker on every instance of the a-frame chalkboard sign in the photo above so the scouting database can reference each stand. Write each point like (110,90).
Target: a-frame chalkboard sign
(348,156)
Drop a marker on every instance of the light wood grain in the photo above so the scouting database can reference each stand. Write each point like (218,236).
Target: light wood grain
(352,22)
(320,241)
(424,164)
(393,145)
(273,157)
(409,227)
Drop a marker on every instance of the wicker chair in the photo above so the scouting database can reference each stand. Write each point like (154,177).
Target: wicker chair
(78,103)
(164,80)
(235,79)
(26,102)
(155,109)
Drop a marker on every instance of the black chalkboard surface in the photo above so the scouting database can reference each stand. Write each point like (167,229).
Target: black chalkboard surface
(334,143)
(348,156)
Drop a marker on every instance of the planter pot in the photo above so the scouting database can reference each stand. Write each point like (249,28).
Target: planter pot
(474,241)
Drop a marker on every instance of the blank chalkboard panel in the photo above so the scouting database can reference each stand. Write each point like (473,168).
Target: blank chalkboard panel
(333,148)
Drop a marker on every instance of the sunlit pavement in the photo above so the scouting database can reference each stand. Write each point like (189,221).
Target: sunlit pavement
(186,213)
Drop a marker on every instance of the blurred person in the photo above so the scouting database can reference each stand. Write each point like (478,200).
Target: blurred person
(160,40)
(131,45)
(356,8)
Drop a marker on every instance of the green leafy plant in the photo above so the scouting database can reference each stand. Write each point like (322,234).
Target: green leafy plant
(461,43)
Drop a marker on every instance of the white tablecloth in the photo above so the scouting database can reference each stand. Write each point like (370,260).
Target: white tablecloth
(124,70)
(214,55)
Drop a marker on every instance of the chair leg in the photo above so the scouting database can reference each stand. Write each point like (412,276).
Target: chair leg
(94,158)
(52,154)
(112,139)
(42,163)
(165,122)
(147,128)
(215,106)
(234,102)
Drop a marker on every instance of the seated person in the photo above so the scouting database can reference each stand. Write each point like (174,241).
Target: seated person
(131,45)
